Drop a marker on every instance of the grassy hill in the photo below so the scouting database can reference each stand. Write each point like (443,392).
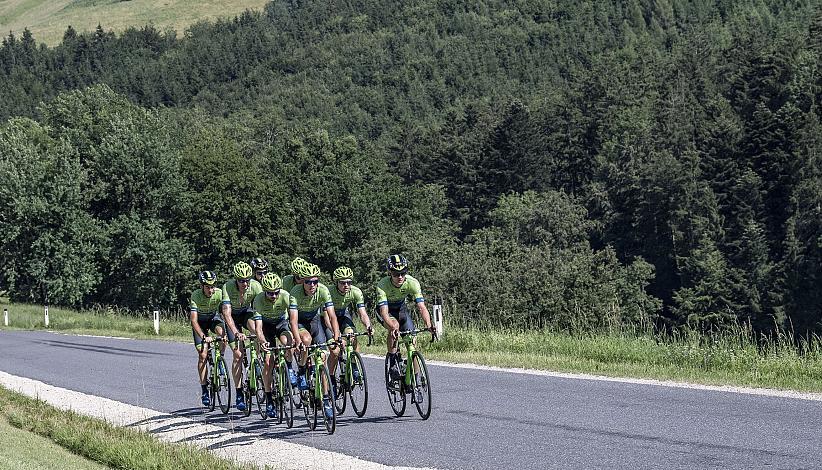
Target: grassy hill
(48,19)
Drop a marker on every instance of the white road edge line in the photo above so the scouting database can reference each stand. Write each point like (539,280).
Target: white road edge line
(661,383)
(254,449)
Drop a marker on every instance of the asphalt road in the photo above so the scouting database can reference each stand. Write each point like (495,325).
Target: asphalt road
(481,419)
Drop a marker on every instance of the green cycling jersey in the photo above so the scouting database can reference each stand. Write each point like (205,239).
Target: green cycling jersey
(274,311)
(303,304)
(288,283)
(395,297)
(205,305)
(231,293)
(353,298)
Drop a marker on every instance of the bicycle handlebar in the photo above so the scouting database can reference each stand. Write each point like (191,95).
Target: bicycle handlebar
(418,330)
(354,335)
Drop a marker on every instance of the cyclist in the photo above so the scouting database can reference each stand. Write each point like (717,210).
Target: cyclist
(238,294)
(204,313)
(294,279)
(260,267)
(310,307)
(347,298)
(392,292)
(271,318)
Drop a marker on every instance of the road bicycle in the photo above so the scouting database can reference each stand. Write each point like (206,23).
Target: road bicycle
(414,380)
(252,381)
(312,399)
(283,392)
(219,383)
(350,378)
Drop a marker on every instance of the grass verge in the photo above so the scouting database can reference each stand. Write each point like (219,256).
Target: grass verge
(731,358)
(99,441)
(26,451)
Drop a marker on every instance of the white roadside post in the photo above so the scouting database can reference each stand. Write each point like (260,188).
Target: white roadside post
(438,315)
(156,321)
(5,316)
(46,314)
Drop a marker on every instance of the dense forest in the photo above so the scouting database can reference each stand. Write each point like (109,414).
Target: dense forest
(542,163)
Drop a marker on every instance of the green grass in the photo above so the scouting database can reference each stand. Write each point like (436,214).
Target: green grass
(733,358)
(27,451)
(48,19)
(97,440)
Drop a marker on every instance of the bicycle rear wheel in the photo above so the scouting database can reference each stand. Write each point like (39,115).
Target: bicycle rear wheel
(396,392)
(421,395)
(330,422)
(358,388)
(259,388)
(223,386)
(342,385)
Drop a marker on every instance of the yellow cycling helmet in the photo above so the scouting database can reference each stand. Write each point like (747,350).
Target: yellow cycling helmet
(309,270)
(343,272)
(242,270)
(272,282)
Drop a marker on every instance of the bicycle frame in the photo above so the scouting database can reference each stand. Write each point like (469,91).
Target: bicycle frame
(407,339)
(349,350)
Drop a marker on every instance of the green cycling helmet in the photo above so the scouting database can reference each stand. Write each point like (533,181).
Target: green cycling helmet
(272,282)
(343,272)
(207,278)
(309,270)
(296,264)
(242,270)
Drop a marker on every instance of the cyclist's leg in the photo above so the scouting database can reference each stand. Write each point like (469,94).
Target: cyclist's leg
(202,351)
(334,353)
(239,317)
(318,337)
(392,326)
(283,331)
(268,329)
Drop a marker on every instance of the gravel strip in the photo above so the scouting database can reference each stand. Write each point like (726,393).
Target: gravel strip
(252,449)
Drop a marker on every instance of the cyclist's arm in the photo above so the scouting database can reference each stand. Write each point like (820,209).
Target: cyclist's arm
(382,306)
(295,329)
(331,321)
(424,313)
(258,326)
(192,315)
(364,317)
(229,320)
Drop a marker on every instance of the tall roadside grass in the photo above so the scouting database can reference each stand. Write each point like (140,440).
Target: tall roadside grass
(97,440)
(736,356)
(98,321)
(732,357)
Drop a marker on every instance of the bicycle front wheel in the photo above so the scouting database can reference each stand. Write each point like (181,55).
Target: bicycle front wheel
(259,389)
(421,394)
(342,385)
(358,388)
(396,392)
(285,400)
(223,386)
(330,421)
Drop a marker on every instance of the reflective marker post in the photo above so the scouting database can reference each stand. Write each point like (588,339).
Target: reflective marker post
(156,321)
(6,317)
(437,307)
(46,313)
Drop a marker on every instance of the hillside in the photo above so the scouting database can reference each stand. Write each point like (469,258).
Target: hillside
(48,19)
